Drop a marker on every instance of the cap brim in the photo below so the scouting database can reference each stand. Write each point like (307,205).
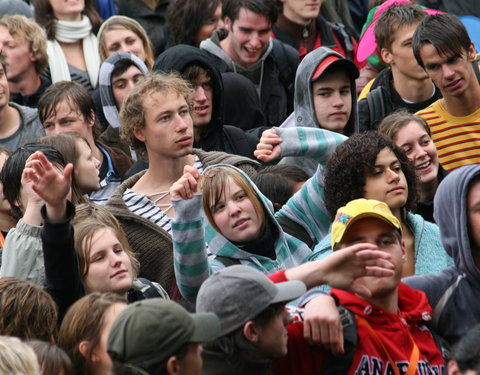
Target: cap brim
(207,327)
(289,290)
(334,60)
(366,215)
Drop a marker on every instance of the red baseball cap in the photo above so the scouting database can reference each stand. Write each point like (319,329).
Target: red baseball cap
(335,59)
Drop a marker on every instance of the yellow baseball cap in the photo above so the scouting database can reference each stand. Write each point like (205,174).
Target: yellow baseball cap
(361,209)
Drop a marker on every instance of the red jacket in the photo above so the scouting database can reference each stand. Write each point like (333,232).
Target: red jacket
(369,356)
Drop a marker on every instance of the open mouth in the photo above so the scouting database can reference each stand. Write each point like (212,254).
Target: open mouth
(423,165)
(240,223)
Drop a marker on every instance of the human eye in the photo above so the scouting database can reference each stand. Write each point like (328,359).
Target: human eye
(386,241)
(407,150)
(377,172)
(323,94)
(240,196)
(47,125)
(114,47)
(119,85)
(130,41)
(207,86)
(97,258)
(432,66)
(345,92)
(218,208)
(184,112)
(164,118)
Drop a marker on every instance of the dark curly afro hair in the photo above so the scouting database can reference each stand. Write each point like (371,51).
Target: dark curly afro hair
(351,163)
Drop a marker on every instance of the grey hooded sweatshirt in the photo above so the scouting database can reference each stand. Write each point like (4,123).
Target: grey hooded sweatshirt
(454,293)
(304,109)
(272,74)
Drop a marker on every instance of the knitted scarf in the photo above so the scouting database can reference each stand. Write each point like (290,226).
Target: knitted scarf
(71,32)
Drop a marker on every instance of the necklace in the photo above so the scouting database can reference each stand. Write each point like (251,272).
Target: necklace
(165,207)
(305,32)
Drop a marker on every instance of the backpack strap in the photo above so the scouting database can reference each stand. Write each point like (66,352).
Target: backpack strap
(340,364)
(227,261)
(287,71)
(376,107)
(437,310)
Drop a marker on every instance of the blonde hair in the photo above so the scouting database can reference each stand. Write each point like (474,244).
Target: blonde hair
(214,181)
(33,33)
(132,112)
(395,121)
(17,358)
(127,23)
(90,218)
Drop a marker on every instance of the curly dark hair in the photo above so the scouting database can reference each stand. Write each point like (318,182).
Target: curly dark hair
(186,17)
(351,163)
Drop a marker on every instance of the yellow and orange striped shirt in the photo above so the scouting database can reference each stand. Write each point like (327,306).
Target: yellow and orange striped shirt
(457,138)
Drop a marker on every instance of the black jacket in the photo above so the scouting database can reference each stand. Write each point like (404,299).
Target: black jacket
(218,137)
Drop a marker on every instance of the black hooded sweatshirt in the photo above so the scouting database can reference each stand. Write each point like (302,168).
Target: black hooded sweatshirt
(217,137)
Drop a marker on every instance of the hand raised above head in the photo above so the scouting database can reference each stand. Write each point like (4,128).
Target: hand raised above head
(48,182)
(187,185)
(268,149)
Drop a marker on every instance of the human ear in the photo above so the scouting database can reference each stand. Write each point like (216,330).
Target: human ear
(138,133)
(172,366)
(453,368)
(386,56)
(404,251)
(471,53)
(84,349)
(227,22)
(251,331)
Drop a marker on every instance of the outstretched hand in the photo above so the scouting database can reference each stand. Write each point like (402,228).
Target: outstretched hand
(345,266)
(268,149)
(187,185)
(48,182)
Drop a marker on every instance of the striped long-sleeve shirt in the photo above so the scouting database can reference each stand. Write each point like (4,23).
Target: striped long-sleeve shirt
(189,232)
(457,138)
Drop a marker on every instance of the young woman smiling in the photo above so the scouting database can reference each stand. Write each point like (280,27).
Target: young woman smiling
(412,134)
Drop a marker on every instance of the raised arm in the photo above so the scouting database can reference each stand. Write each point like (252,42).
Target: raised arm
(190,255)
(22,252)
(61,268)
(306,207)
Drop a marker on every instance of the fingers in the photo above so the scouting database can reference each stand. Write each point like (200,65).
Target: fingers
(185,187)
(190,169)
(267,148)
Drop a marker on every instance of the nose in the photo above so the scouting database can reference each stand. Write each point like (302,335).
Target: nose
(338,100)
(419,152)
(116,259)
(233,208)
(182,123)
(393,176)
(220,24)
(255,41)
(96,162)
(199,94)
(447,71)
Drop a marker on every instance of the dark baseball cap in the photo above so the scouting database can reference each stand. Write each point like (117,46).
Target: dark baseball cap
(148,332)
(332,59)
(237,294)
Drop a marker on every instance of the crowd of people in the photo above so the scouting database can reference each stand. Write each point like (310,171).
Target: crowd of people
(239,187)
